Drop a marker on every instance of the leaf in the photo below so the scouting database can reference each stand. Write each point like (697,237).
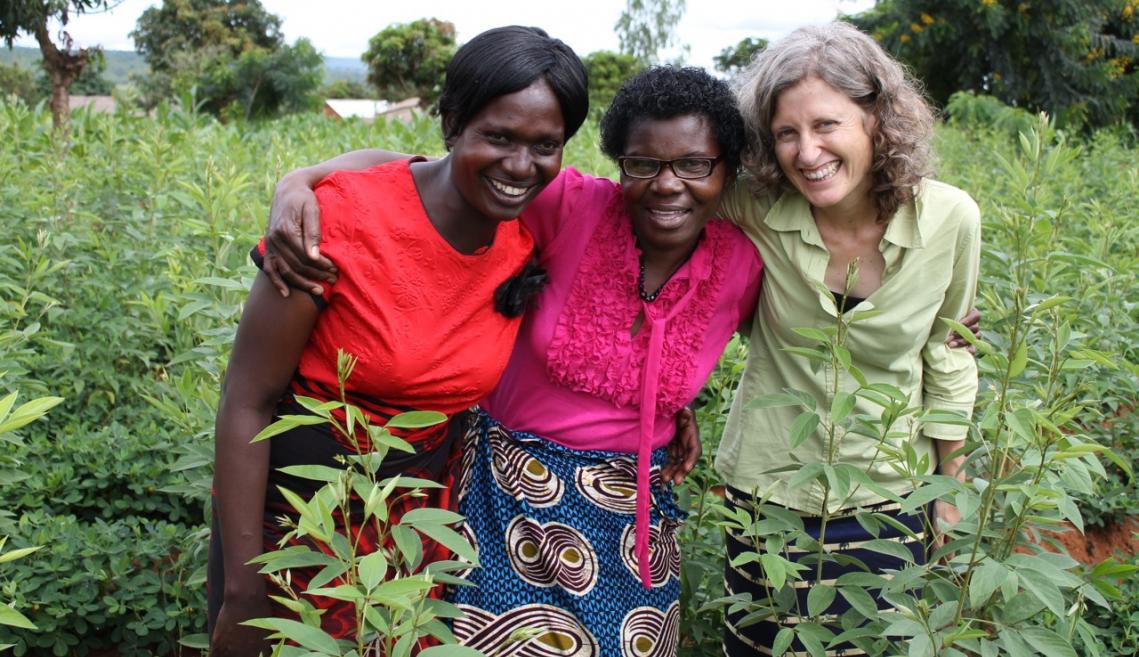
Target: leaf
(1019,360)
(27,413)
(286,423)
(317,406)
(416,420)
(1022,423)
(1044,589)
(987,578)
(819,599)
(860,600)
(18,553)
(429,515)
(891,548)
(782,641)
(307,636)
(807,473)
(1047,642)
(13,618)
(314,472)
(842,405)
(774,568)
(451,539)
(1010,639)
(813,334)
(372,568)
(404,589)
(802,428)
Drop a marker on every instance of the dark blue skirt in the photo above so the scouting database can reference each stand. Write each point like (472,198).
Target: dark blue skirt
(554,528)
(844,536)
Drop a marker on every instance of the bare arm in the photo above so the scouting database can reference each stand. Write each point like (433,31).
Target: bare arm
(292,243)
(270,338)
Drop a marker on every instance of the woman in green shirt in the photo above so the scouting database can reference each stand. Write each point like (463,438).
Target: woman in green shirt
(840,167)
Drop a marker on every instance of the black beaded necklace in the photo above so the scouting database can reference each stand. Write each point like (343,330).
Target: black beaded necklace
(645,296)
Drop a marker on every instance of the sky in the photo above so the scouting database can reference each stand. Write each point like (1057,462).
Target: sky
(341,28)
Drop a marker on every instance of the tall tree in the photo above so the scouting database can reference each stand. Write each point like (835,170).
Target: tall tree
(176,26)
(406,60)
(1072,58)
(734,58)
(231,54)
(647,27)
(62,64)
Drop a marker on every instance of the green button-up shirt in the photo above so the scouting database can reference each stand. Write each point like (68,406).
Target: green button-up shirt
(932,253)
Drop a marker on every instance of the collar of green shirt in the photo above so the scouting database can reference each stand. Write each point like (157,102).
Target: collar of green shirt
(792,213)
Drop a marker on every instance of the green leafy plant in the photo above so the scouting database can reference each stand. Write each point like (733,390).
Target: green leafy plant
(389,587)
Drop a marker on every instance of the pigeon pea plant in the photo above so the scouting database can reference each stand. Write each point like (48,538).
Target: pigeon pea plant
(388,587)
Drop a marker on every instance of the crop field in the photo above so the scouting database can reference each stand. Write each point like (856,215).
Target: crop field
(123,267)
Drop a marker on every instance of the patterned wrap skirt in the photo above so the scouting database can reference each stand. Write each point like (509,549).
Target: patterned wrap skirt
(554,528)
(844,536)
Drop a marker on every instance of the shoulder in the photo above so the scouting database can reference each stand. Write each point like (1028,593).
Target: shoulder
(572,182)
(940,203)
(377,179)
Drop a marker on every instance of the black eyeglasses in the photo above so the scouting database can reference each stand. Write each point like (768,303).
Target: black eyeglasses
(689,168)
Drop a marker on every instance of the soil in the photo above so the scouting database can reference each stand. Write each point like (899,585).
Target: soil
(1100,543)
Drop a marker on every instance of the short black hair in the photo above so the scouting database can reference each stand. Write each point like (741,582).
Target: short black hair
(505,60)
(664,92)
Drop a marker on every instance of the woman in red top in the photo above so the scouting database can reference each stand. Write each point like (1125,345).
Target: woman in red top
(428,298)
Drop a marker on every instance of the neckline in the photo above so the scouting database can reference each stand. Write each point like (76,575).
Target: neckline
(421,213)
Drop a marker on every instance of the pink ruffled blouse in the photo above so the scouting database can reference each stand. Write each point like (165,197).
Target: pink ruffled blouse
(577,375)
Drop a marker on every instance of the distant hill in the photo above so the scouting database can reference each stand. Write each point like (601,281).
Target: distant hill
(121,63)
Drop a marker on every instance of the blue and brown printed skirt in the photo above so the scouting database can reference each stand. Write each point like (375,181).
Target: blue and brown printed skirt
(554,528)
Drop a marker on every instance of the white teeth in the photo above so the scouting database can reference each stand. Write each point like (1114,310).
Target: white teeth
(822,173)
(508,189)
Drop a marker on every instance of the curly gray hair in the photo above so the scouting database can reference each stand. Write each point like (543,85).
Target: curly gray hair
(854,64)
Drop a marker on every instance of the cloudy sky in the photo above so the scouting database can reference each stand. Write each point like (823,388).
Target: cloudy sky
(341,28)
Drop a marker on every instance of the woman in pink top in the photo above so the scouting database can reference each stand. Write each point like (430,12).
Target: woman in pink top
(562,487)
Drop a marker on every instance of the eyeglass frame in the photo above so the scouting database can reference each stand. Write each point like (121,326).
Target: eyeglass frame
(661,163)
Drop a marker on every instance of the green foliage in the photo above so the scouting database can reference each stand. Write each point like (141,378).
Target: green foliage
(17,81)
(607,71)
(13,417)
(408,60)
(733,59)
(646,27)
(62,65)
(180,26)
(978,112)
(26,16)
(228,56)
(1072,58)
(346,89)
(123,272)
(1119,624)
(389,587)
(263,83)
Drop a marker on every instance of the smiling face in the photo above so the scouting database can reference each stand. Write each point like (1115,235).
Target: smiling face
(509,151)
(668,212)
(823,145)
